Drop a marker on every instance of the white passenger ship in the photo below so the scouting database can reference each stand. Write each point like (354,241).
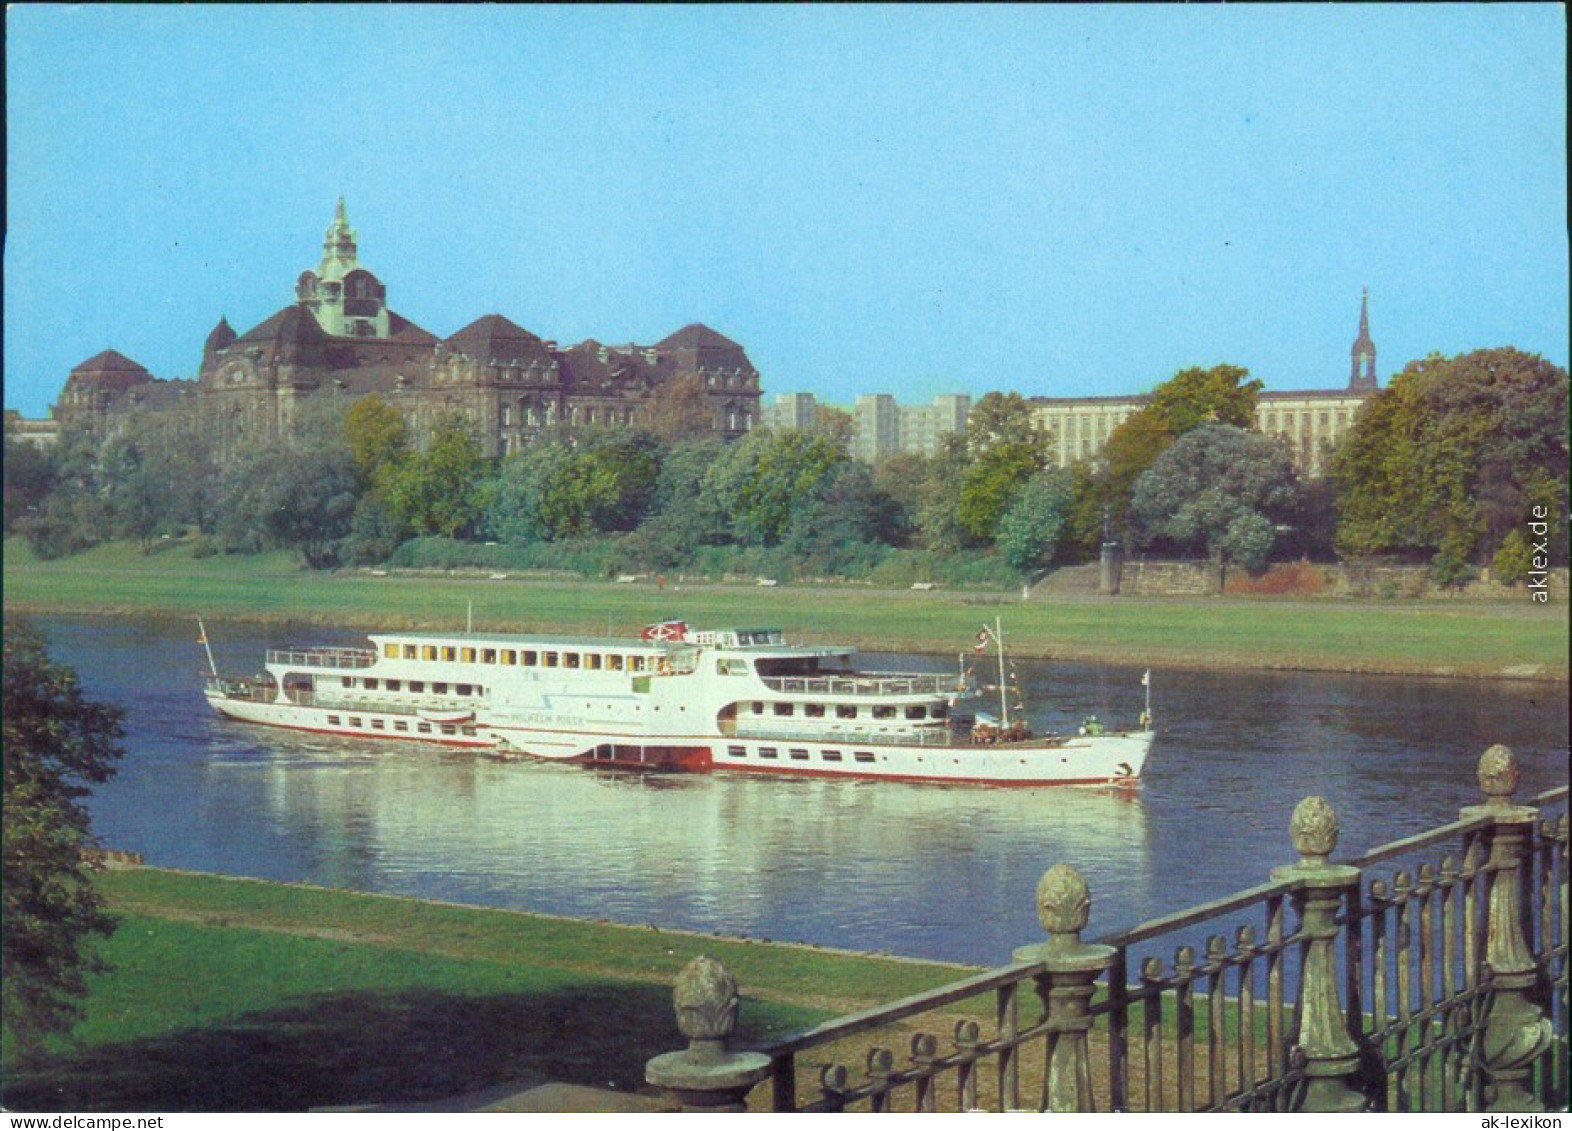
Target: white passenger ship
(738,700)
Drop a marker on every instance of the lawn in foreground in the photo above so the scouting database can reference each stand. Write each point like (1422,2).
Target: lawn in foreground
(240,995)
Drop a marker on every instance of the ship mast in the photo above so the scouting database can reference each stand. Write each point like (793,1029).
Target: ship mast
(1004,690)
(202,636)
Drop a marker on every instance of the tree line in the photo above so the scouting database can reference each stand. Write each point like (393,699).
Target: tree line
(1442,467)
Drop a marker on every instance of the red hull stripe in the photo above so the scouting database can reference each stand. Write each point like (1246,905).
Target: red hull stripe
(782,772)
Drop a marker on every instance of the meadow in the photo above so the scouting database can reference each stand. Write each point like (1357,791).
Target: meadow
(240,995)
(1433,637)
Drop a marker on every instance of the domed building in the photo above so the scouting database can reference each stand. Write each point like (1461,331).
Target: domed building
(341,335)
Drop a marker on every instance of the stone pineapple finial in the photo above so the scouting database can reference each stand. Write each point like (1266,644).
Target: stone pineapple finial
(1064,904)
(707,1075)
(1314,830)
(706,1001)
(1498,776)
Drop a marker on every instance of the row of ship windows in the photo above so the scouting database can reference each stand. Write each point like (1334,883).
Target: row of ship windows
(797,754)
(415,686)
(512,657)
(401,726)
(849,710)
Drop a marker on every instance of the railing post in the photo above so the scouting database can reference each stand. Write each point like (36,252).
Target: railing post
(1331,1053)
(1516,1030)
(707,1076)
(1066,985)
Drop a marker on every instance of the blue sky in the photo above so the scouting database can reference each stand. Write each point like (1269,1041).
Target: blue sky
(1058,200)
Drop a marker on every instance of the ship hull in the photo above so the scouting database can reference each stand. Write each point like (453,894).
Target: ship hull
(1112,759)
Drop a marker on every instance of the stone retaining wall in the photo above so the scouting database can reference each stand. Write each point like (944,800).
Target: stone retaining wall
(1145,578)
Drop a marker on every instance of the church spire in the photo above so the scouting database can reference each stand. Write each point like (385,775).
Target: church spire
(1363,352)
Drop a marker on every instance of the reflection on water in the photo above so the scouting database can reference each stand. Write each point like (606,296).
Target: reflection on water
(940,872)
(833,862)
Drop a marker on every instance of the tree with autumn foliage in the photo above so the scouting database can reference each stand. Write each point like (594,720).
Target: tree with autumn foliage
(1452,457)
(1223,394)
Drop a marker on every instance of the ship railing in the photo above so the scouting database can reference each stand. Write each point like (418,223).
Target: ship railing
(322,657)
(872,684)
(937,735)
(240,688)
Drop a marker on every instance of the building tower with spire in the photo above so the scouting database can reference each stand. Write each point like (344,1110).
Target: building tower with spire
(1363,351)
(348,300)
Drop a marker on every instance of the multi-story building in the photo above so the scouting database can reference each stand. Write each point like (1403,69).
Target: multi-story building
(924,427)
(1310,422)
(790,410)
(340,334)
(39,433)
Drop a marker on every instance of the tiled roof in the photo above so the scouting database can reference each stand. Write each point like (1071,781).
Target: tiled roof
(493,338)
(110,362)
(109,370)
(583,367)
(696,346)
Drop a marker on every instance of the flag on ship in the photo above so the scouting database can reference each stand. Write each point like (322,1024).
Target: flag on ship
(666,630)
(983,638)
(1146,679)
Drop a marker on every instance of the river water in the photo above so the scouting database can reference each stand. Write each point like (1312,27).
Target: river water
(925,871)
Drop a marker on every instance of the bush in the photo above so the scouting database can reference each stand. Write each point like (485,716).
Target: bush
(1514,560)
(1288,579)
(203,546)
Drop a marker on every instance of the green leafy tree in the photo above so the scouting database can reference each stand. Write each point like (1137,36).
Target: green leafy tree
(29,477)
(1001,418)
(157,478)
(374,532)
(939,500)
(376,434)
(760,480)
(995,476)
(442,489)
(595,483)
(835,532)
(898,481)
(1451,457)
(1087,521)
(683,516)
(1514,560)
(73,516)
(1031,529)
(1223,394)
(978,472)
(1218,489)
(57,743)
(297,492)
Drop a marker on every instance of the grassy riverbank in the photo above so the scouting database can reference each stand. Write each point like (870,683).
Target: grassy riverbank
(1439,637)
(240,995)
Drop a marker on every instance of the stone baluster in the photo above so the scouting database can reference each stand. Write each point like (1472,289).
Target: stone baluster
(707,1075)
(1065,986)
(1331,1055)
(1516,1030)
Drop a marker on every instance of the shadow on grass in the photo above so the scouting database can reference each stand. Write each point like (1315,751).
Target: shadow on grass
(357,1048)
